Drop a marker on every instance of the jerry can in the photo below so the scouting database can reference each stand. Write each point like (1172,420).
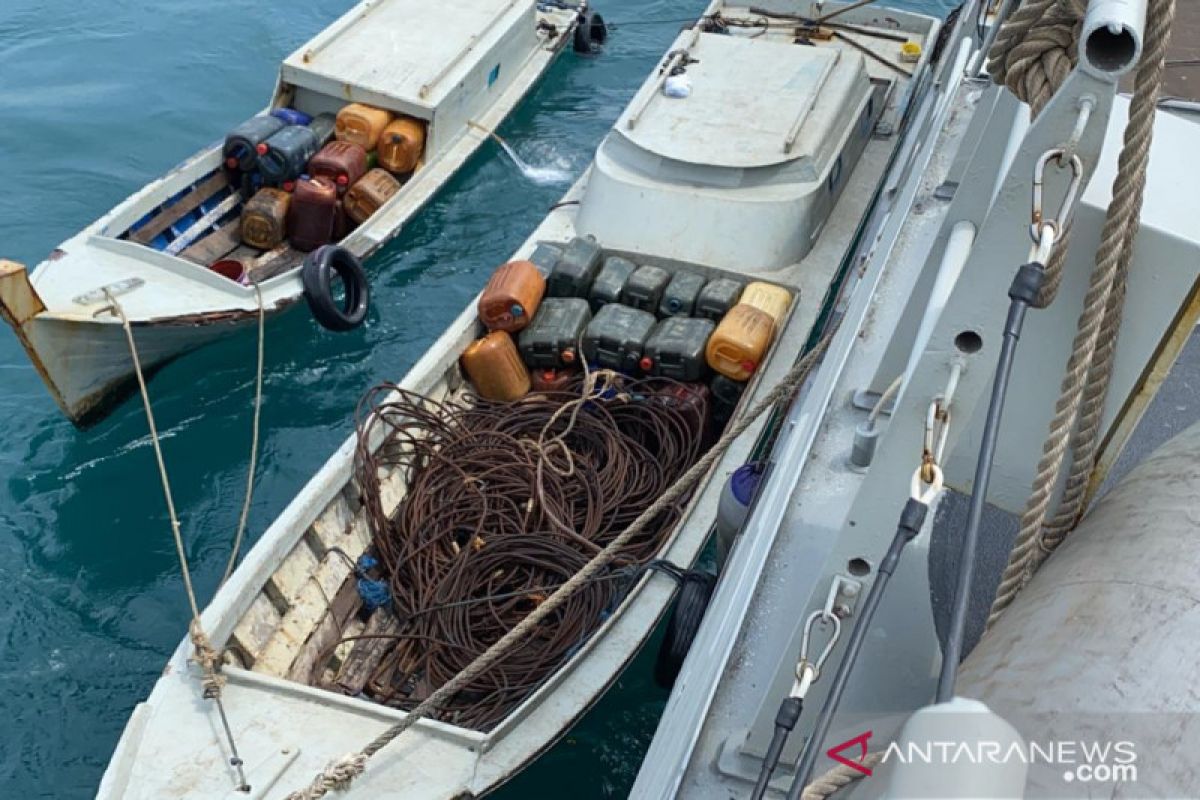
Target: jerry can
(322,126)
(401,144)
(679,298)
(311,217)
(645,288)
(291,116)
(284,156)
(544,256)
(774,300)
(494,367)
(511,297)
(362,124)
(610,280)
(553,380)
(726,394)
(575,269)
(740,341)
(552,340)
(342,224)
(244,143)
(342,162)
(369,194)
(264,219)
(675,348)
(615,337)
(717,297)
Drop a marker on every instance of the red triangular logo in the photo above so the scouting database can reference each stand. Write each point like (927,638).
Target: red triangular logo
(835,752)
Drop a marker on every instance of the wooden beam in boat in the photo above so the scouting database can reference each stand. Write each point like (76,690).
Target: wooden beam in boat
(19,301)
(275,262)
(176,211)
(366,654)
(216,245)
(255,629)
(309,663)
(315,597)
(197,229)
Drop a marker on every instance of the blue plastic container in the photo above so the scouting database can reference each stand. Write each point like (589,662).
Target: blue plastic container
(291,116)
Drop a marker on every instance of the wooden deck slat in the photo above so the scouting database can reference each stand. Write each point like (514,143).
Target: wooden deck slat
(366,654)
(299,621)
(216,245)
(329,630)
(285,585)
(256,628)
(183,206)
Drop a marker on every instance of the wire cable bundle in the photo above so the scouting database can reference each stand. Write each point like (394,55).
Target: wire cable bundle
(504,502)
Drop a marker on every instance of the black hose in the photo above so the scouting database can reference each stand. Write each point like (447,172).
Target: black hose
(1024,291)
(785,721)
(911,520)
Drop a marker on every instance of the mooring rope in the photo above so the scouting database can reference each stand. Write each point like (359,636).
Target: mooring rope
(837,778)
(205,655)
(339,774)
(1078,411)
(236,549)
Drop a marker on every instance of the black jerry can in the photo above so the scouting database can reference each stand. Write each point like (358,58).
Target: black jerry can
(575,269)
(675,349)
(679,299)
(717,297)
(616,336)
(610,281)
(551,340)
(645,288)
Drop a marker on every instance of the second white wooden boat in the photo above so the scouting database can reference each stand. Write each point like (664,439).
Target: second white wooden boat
(460,67)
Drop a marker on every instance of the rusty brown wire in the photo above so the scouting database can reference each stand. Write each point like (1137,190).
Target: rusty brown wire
(503,500)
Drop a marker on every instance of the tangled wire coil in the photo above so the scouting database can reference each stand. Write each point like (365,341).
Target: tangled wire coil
(505,501)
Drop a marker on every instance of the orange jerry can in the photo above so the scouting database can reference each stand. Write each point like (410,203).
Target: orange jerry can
(737,346)
(361,124)
(264,219)
(341,162)
(372,191)
(512,296)
(495,367)
(311,217)
(767,297)
(401,145)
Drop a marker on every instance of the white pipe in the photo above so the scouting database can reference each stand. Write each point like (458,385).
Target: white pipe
(1111,40)
(958,248)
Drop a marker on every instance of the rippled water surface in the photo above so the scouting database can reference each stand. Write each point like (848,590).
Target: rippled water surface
(97,97)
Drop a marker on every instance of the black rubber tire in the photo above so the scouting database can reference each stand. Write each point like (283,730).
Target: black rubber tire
(317,276)
(590,33)
(694,594)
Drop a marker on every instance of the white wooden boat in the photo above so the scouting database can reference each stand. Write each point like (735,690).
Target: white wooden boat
(286,605)
(455,65)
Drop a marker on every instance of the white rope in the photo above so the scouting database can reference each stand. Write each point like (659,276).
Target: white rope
(837,778)
(236,550)
(339,773)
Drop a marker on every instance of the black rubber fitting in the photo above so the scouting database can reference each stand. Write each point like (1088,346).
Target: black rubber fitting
(1027,283)
(789,713)
(912,518)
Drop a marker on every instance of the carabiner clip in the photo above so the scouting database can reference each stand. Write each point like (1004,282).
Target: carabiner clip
(819,614)
(1039,183)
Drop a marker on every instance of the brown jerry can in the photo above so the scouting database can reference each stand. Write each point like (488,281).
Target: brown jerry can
(372,191)
(311,218)
(342,162)
(495,367)
(512,296)
(264,219)
(401,145)
(361,124)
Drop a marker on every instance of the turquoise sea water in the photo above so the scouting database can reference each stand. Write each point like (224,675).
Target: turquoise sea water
(97,97)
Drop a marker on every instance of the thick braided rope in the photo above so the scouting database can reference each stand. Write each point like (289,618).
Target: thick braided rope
(339,774)
(1100,320)
(839,777)
(1086,439)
